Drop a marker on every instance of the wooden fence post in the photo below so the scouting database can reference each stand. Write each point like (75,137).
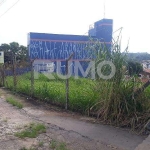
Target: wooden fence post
(3,75)
(32,78)
(14,72)
(67,81)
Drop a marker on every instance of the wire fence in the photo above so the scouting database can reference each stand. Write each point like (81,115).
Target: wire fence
(11,74)
(22,77)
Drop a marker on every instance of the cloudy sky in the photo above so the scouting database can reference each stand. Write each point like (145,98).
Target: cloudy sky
(74,17)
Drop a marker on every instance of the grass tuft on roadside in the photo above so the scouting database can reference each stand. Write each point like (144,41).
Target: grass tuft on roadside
(58,145)
(32,131)
(14,102)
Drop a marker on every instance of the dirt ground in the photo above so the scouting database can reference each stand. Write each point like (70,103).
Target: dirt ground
(73,130)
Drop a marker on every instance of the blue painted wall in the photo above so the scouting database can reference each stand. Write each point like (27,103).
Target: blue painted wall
(58,47)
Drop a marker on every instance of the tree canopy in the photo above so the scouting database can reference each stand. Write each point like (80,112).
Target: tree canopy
(14,49)
(138,57)
(134,68)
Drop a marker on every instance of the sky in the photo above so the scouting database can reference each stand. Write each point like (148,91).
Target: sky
(75,17)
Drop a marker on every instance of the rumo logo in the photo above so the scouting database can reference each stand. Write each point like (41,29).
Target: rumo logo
(93,69)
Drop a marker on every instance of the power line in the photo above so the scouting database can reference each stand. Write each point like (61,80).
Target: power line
(9,9)
(2,2)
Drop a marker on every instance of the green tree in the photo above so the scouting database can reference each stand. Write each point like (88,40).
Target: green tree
(134,68)
(22,53)
(13,49)
(5,47)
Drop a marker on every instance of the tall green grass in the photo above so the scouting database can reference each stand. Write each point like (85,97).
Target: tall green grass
(81,92)
(117,102)
(14,102)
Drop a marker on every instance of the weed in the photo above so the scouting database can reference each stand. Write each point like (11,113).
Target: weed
(23,148)
(32,131)
(41,143)
(14,102)
(53,144)
(58,146)
(118,104)
(62,146)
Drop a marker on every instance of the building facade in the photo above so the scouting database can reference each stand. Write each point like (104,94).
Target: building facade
(51,48)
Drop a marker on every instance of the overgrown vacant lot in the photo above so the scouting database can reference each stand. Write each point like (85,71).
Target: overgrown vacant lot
(115,101)
(82,93)
(112,103)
